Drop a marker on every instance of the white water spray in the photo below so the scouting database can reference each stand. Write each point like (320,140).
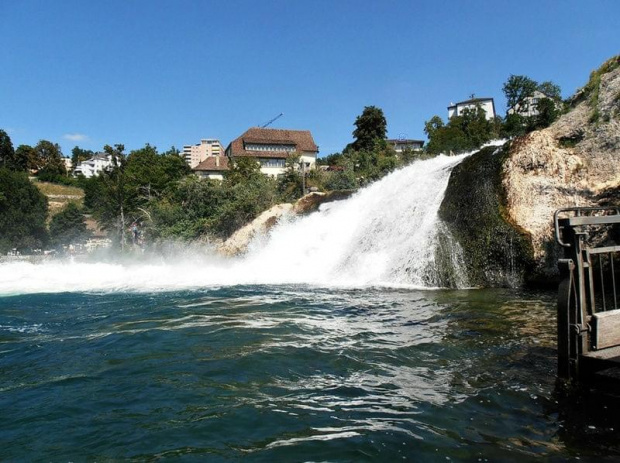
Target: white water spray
(384,235)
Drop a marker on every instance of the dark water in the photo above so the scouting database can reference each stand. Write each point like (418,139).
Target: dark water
(290,374)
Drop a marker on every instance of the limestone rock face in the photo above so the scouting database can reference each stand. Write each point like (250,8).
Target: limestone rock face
(499,205)
(238,243)
(574,162)
(311,202)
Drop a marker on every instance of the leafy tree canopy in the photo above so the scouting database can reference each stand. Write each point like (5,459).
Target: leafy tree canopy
(242,169)
(49,158)
(7,153)
(465,132)
(334,159)
(370,127)
(290,184)
(517,89)
(23,209)
(78,155)
(550,89)
(68,227)
(431,126)
(26,158)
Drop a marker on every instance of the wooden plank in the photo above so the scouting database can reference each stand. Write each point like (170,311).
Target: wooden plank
(606,329)
(612,354)
(593,220)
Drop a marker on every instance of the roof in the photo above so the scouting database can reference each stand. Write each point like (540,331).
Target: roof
(404,141)
(301,139)
(210,164)
(470,101)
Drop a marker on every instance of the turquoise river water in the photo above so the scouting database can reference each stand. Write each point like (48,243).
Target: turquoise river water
(290,373)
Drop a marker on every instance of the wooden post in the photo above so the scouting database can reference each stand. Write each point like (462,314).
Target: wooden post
(565,301)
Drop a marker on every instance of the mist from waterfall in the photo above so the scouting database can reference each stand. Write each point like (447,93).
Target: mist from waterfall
(387,234)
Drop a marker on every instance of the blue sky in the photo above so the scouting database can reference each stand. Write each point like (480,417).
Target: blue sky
(170,72)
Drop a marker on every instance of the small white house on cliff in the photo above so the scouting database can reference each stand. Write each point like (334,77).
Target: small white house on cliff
(94,166)
(487,104)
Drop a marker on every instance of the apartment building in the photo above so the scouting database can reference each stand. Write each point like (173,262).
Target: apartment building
(195,154)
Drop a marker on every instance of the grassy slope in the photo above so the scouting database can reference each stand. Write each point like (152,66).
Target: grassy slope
(59,195)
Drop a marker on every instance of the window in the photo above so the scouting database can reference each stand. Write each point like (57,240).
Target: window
(269,147)
(266,162)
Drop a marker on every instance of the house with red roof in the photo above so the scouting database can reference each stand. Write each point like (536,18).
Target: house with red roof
(271,147)
(212,167)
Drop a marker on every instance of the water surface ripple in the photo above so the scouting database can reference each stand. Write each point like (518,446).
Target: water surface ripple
(291,373)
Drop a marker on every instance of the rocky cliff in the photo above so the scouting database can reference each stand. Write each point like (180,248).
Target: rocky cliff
(574,162)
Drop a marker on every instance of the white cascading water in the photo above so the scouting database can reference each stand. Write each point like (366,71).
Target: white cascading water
(384,235)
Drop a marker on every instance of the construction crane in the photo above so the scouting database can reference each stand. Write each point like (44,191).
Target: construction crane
(272,120)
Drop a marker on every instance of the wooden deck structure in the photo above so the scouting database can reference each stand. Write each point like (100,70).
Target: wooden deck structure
(588,302)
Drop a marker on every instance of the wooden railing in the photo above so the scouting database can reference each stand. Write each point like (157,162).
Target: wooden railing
(588,310)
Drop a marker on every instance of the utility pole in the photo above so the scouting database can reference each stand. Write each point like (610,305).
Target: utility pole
(303,177)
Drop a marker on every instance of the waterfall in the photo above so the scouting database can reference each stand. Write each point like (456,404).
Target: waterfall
(387,234)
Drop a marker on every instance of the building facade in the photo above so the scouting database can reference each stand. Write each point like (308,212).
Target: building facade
(529,106)
(487,104)
(271,148)
(213,167)
(403,144)
(93,166)
(195,154)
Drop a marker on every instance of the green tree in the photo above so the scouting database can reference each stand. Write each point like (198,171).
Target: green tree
(433,125)
(111,187)
(290,183)
(550,89)
(517,89)
(78,155)
(23,210)
(547,114)
(514,125)
(333,159)
(49,158)
(25,158)
(341,180)
(68,226)
(128,191)
(241,170)
(370,127)
(476,127)
(7,153)
(465,132)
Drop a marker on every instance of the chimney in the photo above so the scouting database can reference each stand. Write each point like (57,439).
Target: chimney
(217,161)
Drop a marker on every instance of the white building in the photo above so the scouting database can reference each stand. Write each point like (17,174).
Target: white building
(271,148)
(529,106)
(402,144)
(195,154)
(68,164)
(94,166)
(456,109)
